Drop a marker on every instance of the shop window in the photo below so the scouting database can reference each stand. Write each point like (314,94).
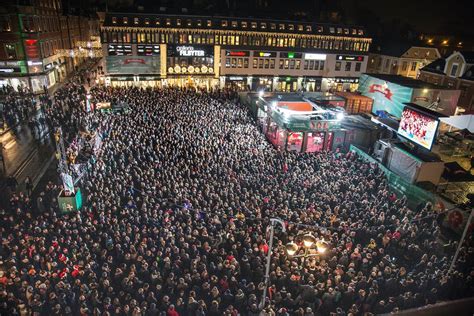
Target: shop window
(295,141)
(338,66)
(11,51)
(348,66)
(358,65)
(314,142)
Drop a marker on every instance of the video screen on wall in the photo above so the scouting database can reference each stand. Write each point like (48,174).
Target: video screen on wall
(418,127)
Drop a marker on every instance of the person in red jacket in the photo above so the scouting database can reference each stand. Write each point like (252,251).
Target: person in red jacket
(172,311)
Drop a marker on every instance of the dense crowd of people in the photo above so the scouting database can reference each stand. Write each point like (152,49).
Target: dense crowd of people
(176,217)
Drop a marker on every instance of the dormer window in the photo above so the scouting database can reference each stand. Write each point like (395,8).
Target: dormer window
(244,24)
(114,20)
(136,21)
(125,20)
(253,25)
(454,70)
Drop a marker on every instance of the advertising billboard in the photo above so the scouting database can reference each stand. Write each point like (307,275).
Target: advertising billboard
(387,96)
(190,51)
(441,101)
(133,64)
(418,127)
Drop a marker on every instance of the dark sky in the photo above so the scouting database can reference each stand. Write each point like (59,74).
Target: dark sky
(428,16)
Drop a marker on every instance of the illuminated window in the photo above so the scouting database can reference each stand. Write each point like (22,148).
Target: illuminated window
(272,26)
(178,22)
(209,23)
(354,31)
(361,32)
(338,66)
(157,21)
(253,25)
(254,63)
(125,20)
(136,20)
(320,29)
(114,20)
(263,26)
(331,30)
(168,22)
(272,63)
(291,27)
(300,28)
(234,24)
(11,51)
(189,23)
(281,27)
(198,23)
(339,30)
(346,31)
(224,23)
(244,24)
(308,28)
(147,21)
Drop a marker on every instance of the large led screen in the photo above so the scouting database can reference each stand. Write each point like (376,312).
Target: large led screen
(133,65)
(418,127)
(387,96)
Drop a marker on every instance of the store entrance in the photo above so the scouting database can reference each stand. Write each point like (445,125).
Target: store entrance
(202,83)
(290,86)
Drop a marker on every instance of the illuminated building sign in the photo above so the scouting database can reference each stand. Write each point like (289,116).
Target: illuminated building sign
(350,57)
(291,55)
(120,50)
(237,53)
(190,51)
(265,54)
(10,70)
(313,56)
(236,78)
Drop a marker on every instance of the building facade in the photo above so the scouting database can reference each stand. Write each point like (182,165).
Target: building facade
(455,71)
(210,52)
(407,62)
(32,35)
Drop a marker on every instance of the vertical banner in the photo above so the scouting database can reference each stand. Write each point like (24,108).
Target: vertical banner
(163,60)
(217,59)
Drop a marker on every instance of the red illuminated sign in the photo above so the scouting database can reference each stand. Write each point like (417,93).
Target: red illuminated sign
(31,47)
(242,53)
(134,60)
(383,89)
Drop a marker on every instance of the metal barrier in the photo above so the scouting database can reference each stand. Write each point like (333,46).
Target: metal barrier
(414,194)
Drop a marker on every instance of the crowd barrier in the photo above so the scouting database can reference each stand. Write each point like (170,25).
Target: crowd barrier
(415,195)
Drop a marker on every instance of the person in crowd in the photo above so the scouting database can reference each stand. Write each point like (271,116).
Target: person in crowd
(176,213)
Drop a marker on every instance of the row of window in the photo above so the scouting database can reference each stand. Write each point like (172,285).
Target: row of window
(233,40)
(48,48)
(30,23)
(252,25)
(347,66)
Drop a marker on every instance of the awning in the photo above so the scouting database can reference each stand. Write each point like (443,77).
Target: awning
(460,121)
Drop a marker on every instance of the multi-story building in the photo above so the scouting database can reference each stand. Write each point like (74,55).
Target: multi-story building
(401,60)
(249,53)
(455,71)
(32,32)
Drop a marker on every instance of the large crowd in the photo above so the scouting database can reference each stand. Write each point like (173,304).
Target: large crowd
(176,216)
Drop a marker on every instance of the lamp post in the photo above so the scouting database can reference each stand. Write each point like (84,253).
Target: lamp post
(309,242)
(273,222)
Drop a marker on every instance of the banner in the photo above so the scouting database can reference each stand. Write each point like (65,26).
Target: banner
(133,64)
(67,183)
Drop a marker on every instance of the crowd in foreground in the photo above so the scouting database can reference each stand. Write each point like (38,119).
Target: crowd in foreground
(176,218)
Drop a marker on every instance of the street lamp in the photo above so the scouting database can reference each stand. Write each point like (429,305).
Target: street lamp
(309,241)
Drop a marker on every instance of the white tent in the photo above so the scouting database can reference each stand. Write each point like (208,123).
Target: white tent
(460,121)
